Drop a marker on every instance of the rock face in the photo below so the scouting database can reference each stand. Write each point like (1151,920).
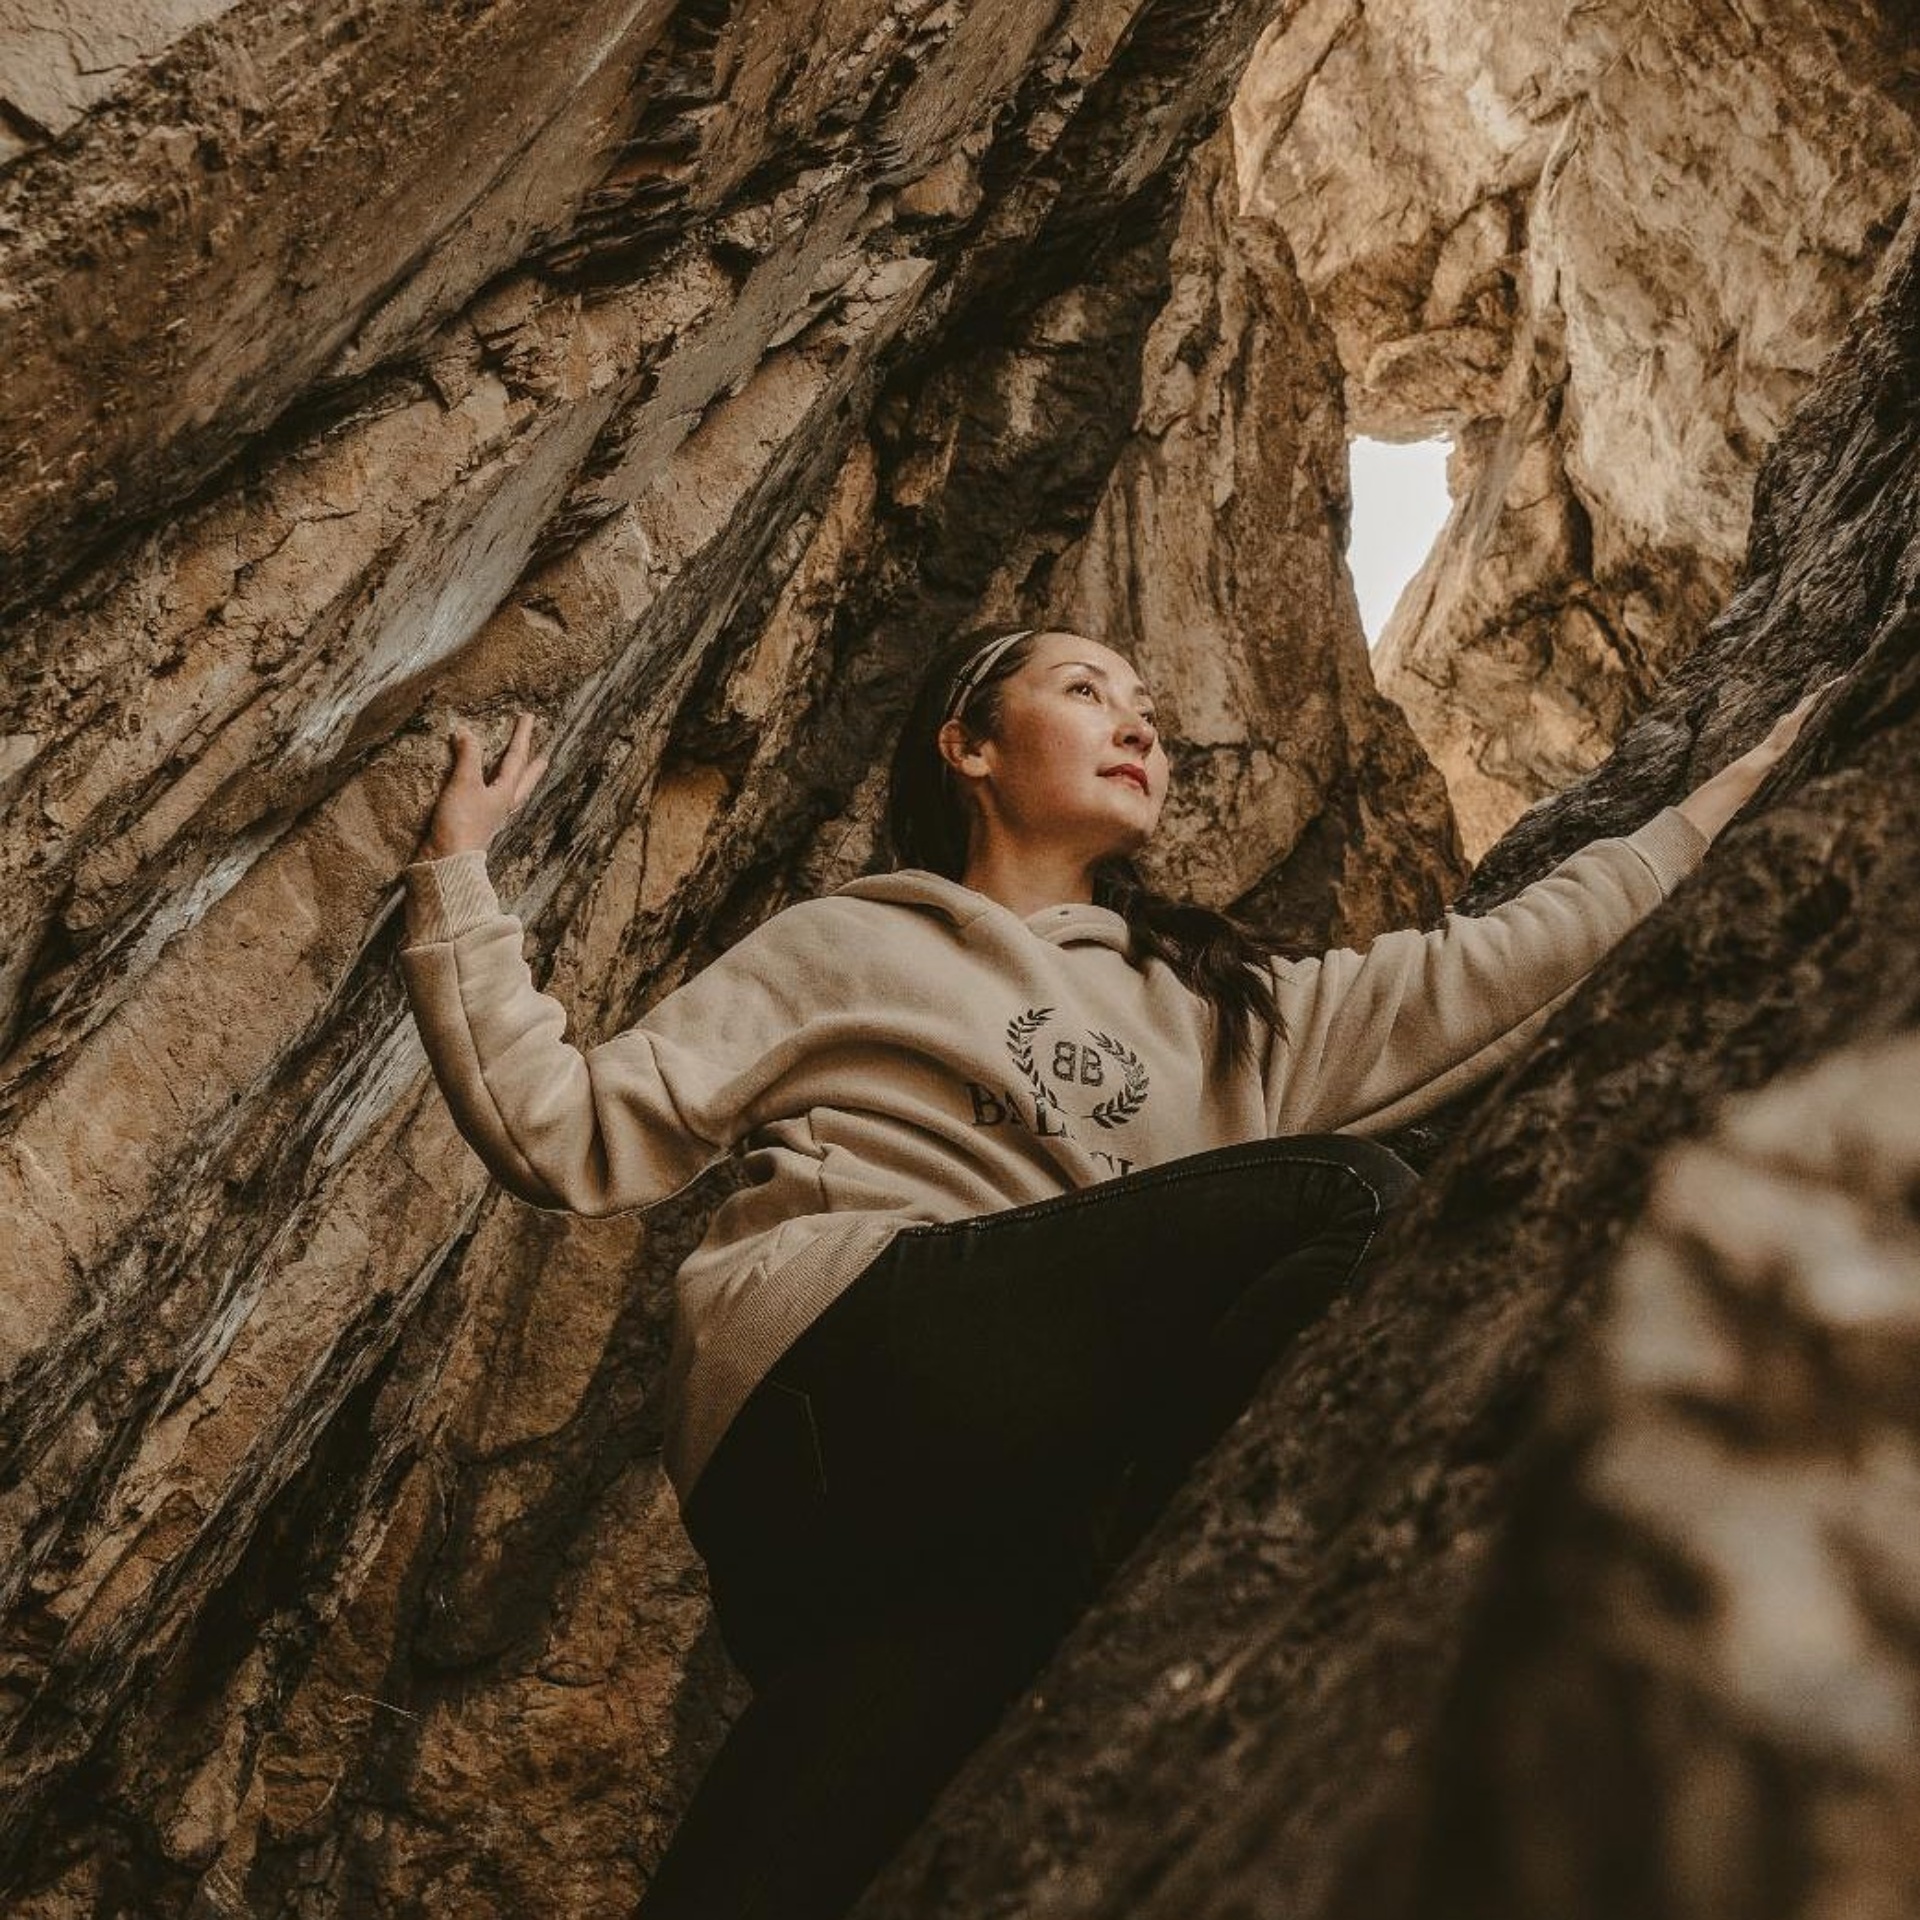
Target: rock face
(1292,773)
(1602,248)
(1396,1652)
(679,373)
(1723,1536)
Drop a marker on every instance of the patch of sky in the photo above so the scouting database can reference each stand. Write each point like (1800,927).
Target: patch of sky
(1400,503)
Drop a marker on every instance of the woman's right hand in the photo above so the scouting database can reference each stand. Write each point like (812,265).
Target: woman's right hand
(471,809)
(1713,803)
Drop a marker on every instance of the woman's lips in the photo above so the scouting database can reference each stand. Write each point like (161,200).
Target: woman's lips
(1137,775)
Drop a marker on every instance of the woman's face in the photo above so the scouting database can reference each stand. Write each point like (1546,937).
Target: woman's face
(1075,757)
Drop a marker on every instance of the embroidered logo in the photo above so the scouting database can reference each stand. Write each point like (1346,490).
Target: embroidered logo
(1062,1071)
(1066,1082)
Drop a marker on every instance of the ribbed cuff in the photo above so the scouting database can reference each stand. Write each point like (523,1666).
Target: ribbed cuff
(447,896)
(1671,845)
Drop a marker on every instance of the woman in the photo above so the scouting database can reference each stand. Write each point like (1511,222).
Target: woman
(1043,1171)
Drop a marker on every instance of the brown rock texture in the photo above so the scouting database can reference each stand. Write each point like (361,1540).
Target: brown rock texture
(679,373)
(1722,1533)
(1402,1649)
(1602,248)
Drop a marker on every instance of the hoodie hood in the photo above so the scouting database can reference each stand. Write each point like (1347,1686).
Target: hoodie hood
(1072,923)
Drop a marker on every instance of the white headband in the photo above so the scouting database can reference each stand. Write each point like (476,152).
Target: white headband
(976,669)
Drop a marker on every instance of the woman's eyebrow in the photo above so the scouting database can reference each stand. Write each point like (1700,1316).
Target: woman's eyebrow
(1139,687)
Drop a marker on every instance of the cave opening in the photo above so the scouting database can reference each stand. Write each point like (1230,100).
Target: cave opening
(1400,504)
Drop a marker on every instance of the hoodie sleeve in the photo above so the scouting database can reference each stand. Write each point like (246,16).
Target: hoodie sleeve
(602,1130)
(1373,1040)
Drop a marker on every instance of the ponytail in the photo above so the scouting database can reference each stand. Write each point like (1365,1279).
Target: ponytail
(1216,956)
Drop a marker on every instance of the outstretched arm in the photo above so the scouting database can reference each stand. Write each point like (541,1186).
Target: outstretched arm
(1374,1040)
(594,1131)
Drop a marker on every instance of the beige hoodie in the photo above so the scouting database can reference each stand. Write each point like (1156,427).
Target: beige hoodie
(905,1049)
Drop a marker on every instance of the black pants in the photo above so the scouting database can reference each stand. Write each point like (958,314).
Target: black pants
(912,1508)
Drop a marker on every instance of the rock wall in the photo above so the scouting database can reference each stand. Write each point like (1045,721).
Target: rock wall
(1722,1533)
(680,373)
(1214,559)
(1602,248)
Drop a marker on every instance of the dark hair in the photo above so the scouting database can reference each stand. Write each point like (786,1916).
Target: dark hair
(1216,956)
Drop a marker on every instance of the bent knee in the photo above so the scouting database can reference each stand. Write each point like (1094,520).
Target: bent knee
(1382,1175)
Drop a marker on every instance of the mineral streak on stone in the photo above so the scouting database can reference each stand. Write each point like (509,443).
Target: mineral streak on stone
(1602,247)
(680,373)
(1272,1713)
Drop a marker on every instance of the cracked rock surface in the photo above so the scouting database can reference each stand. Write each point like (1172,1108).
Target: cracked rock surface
(1602,249)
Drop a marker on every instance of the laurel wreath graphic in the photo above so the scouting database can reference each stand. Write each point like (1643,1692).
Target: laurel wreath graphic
(1020,1031)
(1113,1112)
(1133,1090)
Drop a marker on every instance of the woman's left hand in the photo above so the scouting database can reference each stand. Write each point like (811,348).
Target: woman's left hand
(1714,802)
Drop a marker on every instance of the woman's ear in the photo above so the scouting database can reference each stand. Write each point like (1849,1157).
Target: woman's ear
(956,749)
